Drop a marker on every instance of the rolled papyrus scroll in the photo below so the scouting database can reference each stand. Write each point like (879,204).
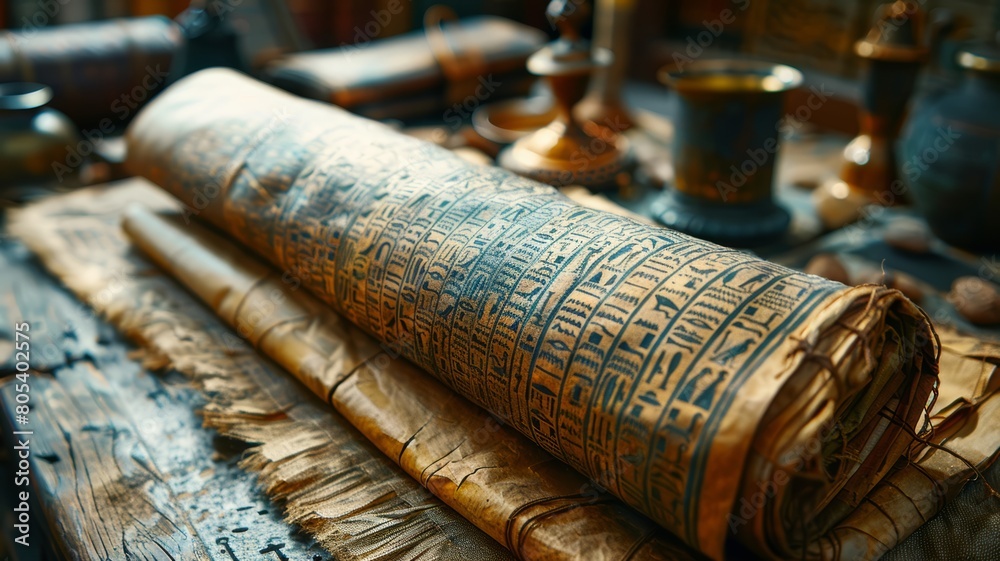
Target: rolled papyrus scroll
(536,506)
(680,375)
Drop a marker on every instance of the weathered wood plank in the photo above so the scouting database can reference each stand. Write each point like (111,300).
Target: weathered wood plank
(62,328)
(102,493)
(151,479)
(331,482)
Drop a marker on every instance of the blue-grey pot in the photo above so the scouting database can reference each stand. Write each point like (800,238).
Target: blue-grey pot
(950,156)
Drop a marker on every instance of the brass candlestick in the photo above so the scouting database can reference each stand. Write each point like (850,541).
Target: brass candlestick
(562,153)
(893,54)
(603,106)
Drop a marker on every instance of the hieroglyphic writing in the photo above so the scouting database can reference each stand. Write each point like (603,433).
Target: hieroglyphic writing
(616,346)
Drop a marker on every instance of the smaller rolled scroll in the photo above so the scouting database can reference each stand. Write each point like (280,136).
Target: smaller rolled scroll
(501,482)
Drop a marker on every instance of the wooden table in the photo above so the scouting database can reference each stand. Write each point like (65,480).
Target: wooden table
(98,414)
(95,406)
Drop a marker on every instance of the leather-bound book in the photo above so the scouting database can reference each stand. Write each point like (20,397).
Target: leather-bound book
(452,68)
(100,73)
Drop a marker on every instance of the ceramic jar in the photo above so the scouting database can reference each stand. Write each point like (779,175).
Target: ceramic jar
(950,155)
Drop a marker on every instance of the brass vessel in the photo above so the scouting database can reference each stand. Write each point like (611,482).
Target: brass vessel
(34,139)
(726,140)
(893,54)
(563,153)
(603,106)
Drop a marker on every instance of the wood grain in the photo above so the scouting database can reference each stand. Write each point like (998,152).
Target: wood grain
(121,460)
(328,479)
(105,498)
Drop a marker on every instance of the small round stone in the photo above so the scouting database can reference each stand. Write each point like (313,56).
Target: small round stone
(827,266)
(908,235)
(908,286)
(892,279)
(837,204)
(976,299)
